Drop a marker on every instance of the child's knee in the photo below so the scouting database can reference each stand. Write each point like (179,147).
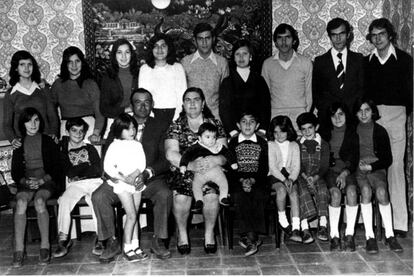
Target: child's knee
(382,195)
(336,196)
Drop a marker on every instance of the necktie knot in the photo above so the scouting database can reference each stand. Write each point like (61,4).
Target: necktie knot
(339,55)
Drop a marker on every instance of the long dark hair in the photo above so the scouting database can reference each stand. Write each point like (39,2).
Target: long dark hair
(370,103)
(114,67)
(14,64)
(64,71)
(206,111)
(26,116)
(122,122)
(171,57)
(285,125)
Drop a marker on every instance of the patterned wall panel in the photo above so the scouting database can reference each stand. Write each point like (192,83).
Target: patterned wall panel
(309,18)
(43,27)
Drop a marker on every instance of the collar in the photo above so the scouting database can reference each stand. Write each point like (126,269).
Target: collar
(317,139)
(391,51)
(70,147)
(243,138)
(276,56)
(335,52)
(212,57)
(19,87)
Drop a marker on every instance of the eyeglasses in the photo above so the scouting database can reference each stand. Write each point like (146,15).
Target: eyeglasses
(379,35)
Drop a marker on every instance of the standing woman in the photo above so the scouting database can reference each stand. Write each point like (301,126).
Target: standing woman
(77,94)
(25,92)
(243,90)
(119,81)
(165,78)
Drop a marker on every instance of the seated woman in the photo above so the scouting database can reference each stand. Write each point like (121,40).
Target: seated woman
(77,94)
(180,136)
(38,175)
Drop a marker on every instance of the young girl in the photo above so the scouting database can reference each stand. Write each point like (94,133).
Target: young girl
(37,173)
(284,167)
(374,159)
(123,162)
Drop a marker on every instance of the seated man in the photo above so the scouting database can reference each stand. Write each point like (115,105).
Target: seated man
(82,167)
(157,190)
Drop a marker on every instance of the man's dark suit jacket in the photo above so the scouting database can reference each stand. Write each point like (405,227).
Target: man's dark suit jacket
(325,85)
(153,144)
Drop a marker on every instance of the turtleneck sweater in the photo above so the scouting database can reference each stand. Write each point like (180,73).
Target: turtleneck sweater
(366,143)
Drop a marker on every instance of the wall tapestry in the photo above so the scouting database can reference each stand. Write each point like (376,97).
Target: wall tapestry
(137,20)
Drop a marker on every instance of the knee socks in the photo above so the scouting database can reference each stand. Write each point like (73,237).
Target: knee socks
(295,223)
(283,219)
(351,214)
(334,214)
(43,223)
(366,210)
(386,215)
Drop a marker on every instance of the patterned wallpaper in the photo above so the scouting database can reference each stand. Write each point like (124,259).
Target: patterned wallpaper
(43,27)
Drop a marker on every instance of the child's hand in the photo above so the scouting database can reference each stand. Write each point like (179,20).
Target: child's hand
(341,180)
(16,143)
(94,139)
(183,169)
(246,184)
(364,167)
(234,166)
(130,179)
(288,184)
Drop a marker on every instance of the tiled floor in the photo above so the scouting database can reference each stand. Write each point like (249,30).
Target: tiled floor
(291,259)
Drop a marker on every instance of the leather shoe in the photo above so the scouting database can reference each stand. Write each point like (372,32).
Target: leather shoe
(157,248)
(393,244)
(210,248)
(111,251)
(287,230)
(184,249)
(336,244)
(400,234)
(349,243)
(372,247)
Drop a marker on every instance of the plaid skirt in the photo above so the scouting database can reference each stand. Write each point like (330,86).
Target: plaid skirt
(315,202)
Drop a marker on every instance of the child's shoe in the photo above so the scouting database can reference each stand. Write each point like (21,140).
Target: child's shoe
(307,236)
(225,201)
(323,233)
(371,247)
(393,244)
(44,256)
(287,230)
(63,248)
(198,206)
(335,244)
(349,243)
(18,258)
(244,242)
(296,236)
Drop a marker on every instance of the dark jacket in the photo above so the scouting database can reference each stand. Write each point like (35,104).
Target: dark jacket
(382,148)
(51,163)
(112,95)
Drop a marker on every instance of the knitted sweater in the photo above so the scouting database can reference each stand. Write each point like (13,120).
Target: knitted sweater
(291,88)
(14,104)
(77,101)
(276,161)
(204,74)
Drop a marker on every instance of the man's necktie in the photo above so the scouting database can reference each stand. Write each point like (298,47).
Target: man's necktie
(340,72)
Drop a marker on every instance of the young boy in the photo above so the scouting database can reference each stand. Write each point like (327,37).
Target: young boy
(207,145)
(250,179)
(314,156)
(82,167)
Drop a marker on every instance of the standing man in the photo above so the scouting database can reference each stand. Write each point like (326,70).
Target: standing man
(103,199)
(288,75)
(205,69)
(338,74)
(389,82)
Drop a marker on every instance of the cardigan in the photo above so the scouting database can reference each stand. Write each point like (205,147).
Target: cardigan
(112,95)
(51,164)
(276,161)
(382,148)
(237,96)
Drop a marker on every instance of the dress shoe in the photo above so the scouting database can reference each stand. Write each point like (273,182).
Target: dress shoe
(111,251)
(296,237)
(44,256)
(349,243)
(400,234)
(184,249)
(335,244)
(372,247)
(307,236)
(158,249)
(63,248)
(393,244)
(323,233)
(98,248)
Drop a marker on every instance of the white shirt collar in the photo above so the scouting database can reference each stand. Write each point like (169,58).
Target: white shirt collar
(276,56)
(285,64)
(243,138)
(212,57)
(19,87)
(334,54)
(317,139)
(391,51)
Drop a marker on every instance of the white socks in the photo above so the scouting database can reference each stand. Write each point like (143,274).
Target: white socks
(334,214)
(283,219)
(323,221)
(366,210)
(295,223)
(386,215)
(128,247)
(351,213)
(135,243)
(304,224)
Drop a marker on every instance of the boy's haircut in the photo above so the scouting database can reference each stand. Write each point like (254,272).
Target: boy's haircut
(285,125)
(139,90)
(76,121)
(122,122)
(202,27)
(249,113)
(382,23)
(370,103)
(331,111)
(307,118)
(282,28)
(26,116)
(338,22)
(207,126)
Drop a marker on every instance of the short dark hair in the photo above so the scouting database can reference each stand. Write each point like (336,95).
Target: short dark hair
(249,112)
(122,122)
(207,127)
(382,23)
(331,111)
(14,64)
(285,125)
(139,90)
(26,116)
(171,57)
(239,44)
(64,71)
(307,118)
(202,27)
(338,22)
(370,103)
(76,121)
(282,28)
(133,64)
(206,111)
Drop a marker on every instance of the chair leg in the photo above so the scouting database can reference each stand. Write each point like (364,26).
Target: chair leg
(78,227)
(275,218)
(378,221)
(229,220)
(220,228)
